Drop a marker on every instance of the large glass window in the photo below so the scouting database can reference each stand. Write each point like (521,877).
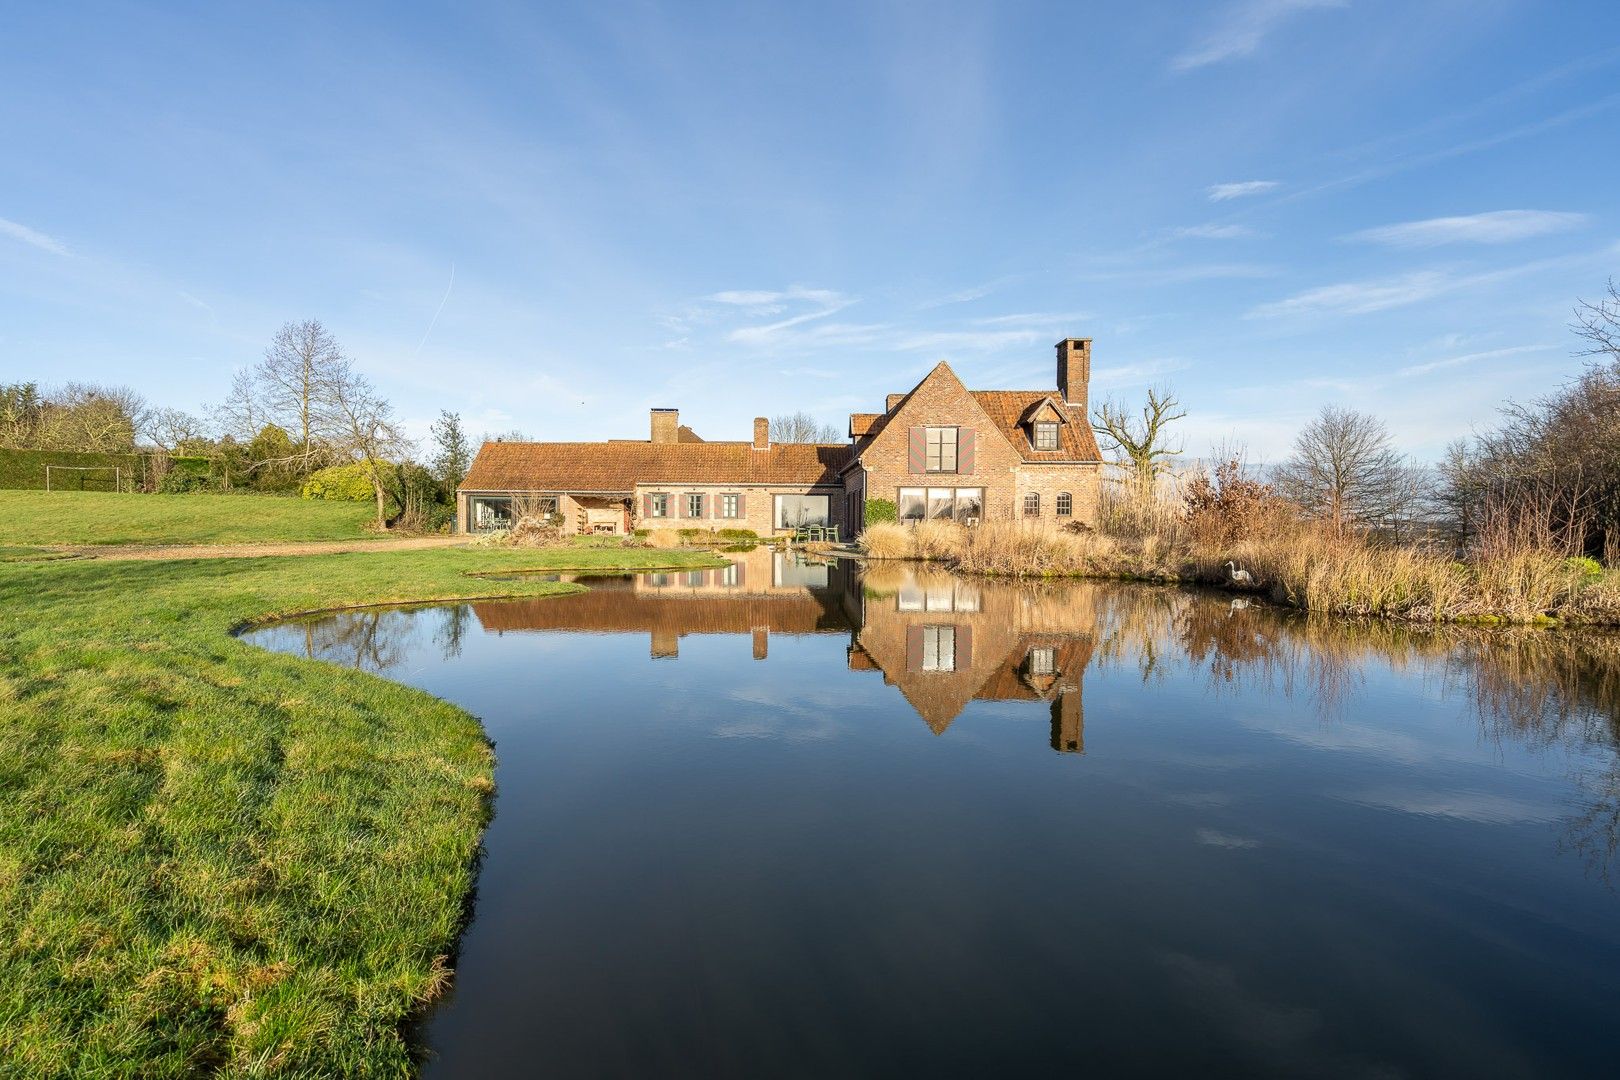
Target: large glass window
(969,505)
(941,504)
(491,514)
(796,511)
(939,648)
(1065,504)
(1046,436)
(659,504)
(941,449)
(913,504)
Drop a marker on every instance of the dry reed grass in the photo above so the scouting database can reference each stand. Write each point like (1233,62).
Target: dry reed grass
(1514,573)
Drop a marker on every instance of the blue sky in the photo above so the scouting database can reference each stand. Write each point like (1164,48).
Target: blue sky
(552,217)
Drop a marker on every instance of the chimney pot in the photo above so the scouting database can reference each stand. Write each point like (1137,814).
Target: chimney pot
(666,424)
(762,433)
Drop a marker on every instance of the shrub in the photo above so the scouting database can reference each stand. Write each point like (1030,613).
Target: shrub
(737,534)
(880,511)
(664,539)
(179,482)
(886,540)
(1229,506)
(339,483)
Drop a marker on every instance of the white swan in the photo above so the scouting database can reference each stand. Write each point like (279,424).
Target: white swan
(1240,577)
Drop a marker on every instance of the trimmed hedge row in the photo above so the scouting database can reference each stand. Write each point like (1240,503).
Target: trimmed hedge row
(25,469)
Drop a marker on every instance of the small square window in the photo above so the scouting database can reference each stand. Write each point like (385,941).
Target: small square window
(1046,436)
(694,506)
(728,506)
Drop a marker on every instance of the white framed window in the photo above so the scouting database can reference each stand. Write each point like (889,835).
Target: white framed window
(1042,660)
(1065,504)
(939,648)
(728,506)
(941,449)
(658,504)
(728,576)
(912,504)
(694,506)
(1046,435)
(1032,504)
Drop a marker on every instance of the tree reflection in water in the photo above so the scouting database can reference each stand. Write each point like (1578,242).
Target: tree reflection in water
(944,641)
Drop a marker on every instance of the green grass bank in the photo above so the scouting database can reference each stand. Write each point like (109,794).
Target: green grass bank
(215,860)
(104,517)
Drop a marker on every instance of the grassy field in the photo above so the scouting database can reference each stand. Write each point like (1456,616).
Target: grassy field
(100,517)
(214,859)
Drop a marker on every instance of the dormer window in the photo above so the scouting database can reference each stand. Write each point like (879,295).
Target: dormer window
(1046,435)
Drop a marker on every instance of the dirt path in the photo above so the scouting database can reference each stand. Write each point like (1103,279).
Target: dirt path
(249,551)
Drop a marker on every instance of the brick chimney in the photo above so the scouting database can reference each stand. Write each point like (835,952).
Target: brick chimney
(666,425)
(762,433)
(1074,371)
(891,401)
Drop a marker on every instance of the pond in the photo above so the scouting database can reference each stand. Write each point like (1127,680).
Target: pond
(794,819)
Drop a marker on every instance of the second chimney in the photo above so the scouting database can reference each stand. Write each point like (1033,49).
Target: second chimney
(762,433)
(1074,371)
(666,425)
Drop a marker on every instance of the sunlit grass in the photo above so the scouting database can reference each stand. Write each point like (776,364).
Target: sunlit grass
(105,517)
(213,857)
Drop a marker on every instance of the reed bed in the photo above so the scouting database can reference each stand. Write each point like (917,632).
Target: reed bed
(1511,574)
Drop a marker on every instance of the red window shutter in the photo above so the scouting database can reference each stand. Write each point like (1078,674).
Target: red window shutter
(703,505)
(914,648)
(917,450)
(742,571)
(967,442)
(964,648)
(742,510)
(646,504)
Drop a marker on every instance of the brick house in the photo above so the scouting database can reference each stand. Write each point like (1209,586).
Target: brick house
(939,450)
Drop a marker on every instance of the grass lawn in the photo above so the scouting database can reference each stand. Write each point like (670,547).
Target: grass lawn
(218,859)
(105,517)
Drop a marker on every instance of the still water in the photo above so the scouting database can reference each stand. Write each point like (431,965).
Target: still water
(786,819)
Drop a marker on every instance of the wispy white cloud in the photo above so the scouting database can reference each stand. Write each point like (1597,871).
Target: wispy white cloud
(1425,368)
(969,340)
(32,237)
(1136,373)
(1212,231)
(1358,297)
(1242,28)
(1241,189)
(1495,227)
(1364,297)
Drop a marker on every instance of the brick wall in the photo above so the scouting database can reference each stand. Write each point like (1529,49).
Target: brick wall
(943,401)
(1080,481)
(758,506)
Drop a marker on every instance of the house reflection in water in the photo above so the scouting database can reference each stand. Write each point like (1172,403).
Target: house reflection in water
(945,641)
(942,641)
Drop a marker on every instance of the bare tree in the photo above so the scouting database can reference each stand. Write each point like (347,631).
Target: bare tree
(1141,444)
(801,427)
(1344,469)
(289,387)
(175,431)
(360,423)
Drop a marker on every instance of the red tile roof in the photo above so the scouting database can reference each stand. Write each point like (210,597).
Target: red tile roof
(617,467)
(1076,442)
